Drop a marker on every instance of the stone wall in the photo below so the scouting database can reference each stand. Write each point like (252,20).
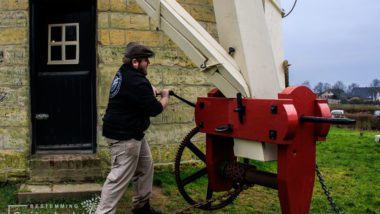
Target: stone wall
(121,22)
(14,89)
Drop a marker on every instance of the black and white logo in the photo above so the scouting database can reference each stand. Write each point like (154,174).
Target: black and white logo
(116,83)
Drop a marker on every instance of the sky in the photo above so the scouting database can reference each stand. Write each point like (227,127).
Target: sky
(332,40)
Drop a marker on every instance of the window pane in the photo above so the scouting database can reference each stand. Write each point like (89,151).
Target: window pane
(71,33)
(56,34)
(71,52)
(56,53)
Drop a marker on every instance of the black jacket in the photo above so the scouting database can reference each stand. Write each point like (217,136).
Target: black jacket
(131,103)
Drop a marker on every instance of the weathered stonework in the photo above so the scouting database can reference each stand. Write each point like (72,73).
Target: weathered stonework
(118,23)
(170,68)
(14,90)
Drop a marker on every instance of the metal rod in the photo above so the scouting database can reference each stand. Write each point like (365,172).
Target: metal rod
(262,178)
(171,93)
(343,121)
(182,99)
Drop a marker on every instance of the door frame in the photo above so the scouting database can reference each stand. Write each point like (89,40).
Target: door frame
(32,76)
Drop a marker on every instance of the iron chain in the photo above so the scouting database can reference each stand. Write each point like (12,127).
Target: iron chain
(326,191)
(203,203)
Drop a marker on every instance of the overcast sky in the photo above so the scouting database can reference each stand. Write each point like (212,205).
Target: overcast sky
(331,40)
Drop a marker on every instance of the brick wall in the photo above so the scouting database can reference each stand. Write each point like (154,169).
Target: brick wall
(122,21)
(14,89)
(119,22)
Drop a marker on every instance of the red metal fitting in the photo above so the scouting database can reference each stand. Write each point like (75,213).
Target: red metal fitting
(275,121)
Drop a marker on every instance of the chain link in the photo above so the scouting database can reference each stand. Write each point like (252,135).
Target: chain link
(326,191)
(209,201)
(239,190)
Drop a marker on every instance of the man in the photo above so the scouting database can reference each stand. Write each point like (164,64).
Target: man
(132,101)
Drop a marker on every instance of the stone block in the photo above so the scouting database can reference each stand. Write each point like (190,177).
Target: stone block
(14,4)
(106,75)
(117,37)
(103,5)
(10,159)
(14,96)
(14,76)
(14,55)
(149,38)
(133,7)
(14,138)
(12,36)
(155,76)
(104,37)
(103,21)
(41,193)
(191,93)
(13,19)
(170,57)
(13,175)
(156,154)
(200,12)
(210,28)
(176,75)
(130,21)
(178,113)
(111,55)
(101,112)
(118,5)
(167,133)
(14,116)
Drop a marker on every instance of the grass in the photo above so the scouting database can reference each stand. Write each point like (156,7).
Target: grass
(349,161)
(355,107)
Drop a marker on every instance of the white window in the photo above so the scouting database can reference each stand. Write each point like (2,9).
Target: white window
(63,44)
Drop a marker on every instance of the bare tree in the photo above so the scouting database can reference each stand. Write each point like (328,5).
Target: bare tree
(318,89)
(375,83)
(339,85)
(351,87)
(306,83)
(326,86)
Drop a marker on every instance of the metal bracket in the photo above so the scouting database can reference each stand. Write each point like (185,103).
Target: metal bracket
(240,107)
(42,116)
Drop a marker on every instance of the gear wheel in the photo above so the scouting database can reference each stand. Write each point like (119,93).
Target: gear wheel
(193,195)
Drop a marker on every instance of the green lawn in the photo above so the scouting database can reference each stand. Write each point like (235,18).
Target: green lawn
(349,161)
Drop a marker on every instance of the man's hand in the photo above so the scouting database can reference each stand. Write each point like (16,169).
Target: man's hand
(164,97)
(165,93)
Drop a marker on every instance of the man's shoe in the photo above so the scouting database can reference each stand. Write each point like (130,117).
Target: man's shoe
(146,209)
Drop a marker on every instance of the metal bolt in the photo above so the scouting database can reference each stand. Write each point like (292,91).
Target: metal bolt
(273,109)
(202,105)
(272,134)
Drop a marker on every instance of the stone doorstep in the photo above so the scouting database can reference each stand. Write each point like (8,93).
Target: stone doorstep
(44,192)
(64,161)
(58,168)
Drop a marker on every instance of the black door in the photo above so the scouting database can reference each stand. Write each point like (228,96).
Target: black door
(62,54)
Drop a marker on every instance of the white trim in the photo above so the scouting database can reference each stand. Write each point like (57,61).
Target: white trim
(63,45)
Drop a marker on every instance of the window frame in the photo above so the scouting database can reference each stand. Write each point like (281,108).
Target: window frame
(63,45)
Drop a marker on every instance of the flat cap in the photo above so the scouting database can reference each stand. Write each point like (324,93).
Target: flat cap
(136,50)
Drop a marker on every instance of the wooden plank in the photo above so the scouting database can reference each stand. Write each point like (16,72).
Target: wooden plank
(242,24)
(198,45)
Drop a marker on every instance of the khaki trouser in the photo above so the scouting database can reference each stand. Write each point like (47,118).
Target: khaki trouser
(131,160)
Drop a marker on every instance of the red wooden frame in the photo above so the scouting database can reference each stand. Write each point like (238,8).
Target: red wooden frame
(275,121)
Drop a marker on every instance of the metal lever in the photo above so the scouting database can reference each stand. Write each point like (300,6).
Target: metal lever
(224,128)
(240,108)
(343,121)
(171,93)
(42,116)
